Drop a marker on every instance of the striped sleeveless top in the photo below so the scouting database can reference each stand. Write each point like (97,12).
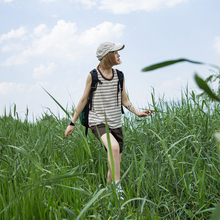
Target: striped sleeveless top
(104,101)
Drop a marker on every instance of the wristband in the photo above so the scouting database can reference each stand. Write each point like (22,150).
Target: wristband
(71,123)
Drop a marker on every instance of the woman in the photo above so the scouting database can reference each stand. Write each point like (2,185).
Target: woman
(105,102)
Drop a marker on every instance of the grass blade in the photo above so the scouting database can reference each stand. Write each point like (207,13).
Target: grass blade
(56,102)
(216,213)
(32,159)
(112,167)
(204,86)
(171,62)
(95,197)
(141,171)
(70,212)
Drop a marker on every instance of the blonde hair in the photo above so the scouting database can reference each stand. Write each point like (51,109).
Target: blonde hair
(108,61)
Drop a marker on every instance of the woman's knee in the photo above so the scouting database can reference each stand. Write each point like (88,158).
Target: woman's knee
(115,148)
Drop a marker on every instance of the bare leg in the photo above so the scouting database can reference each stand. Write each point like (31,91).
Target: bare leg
(109,176)
(116,157)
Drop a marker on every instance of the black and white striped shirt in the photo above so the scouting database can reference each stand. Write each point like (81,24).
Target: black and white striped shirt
(104,101)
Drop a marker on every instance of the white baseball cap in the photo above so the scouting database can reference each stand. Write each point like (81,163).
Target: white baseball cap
(107,47)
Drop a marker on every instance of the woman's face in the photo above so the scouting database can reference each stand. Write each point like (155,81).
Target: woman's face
(117,57)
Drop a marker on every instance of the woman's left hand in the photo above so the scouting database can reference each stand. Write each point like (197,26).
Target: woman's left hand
(145,113)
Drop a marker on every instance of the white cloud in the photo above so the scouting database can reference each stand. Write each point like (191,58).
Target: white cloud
(103,31)
(19,58)
(62,42)
(43,71)
(9,87)
(40,30)
(88,3)
(13,34)
(58,41)
(30,96)
(49,0)
(11,47)
(217,44)
(171,3)
(176,83)
(127,6)
(7,1)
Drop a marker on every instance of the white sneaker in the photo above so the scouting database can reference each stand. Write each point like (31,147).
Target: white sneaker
(120,194)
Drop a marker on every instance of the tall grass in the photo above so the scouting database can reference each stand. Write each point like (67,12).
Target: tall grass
(170,166)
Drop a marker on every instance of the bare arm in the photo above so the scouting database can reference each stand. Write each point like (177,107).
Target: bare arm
(127,104)
(81,104)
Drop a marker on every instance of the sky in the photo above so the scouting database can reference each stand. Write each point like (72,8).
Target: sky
(52,44)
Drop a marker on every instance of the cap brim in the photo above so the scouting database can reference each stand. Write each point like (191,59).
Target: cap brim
(118,47)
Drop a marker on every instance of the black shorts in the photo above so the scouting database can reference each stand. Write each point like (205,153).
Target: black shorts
(117,133)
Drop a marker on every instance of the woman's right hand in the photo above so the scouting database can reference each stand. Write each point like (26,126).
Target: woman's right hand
(69,130)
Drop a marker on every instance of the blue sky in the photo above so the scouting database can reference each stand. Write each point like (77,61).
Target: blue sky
(52,43)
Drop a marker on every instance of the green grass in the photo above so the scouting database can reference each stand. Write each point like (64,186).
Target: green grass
(170,166)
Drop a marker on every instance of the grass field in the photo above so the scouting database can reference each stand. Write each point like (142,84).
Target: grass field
(170,166)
